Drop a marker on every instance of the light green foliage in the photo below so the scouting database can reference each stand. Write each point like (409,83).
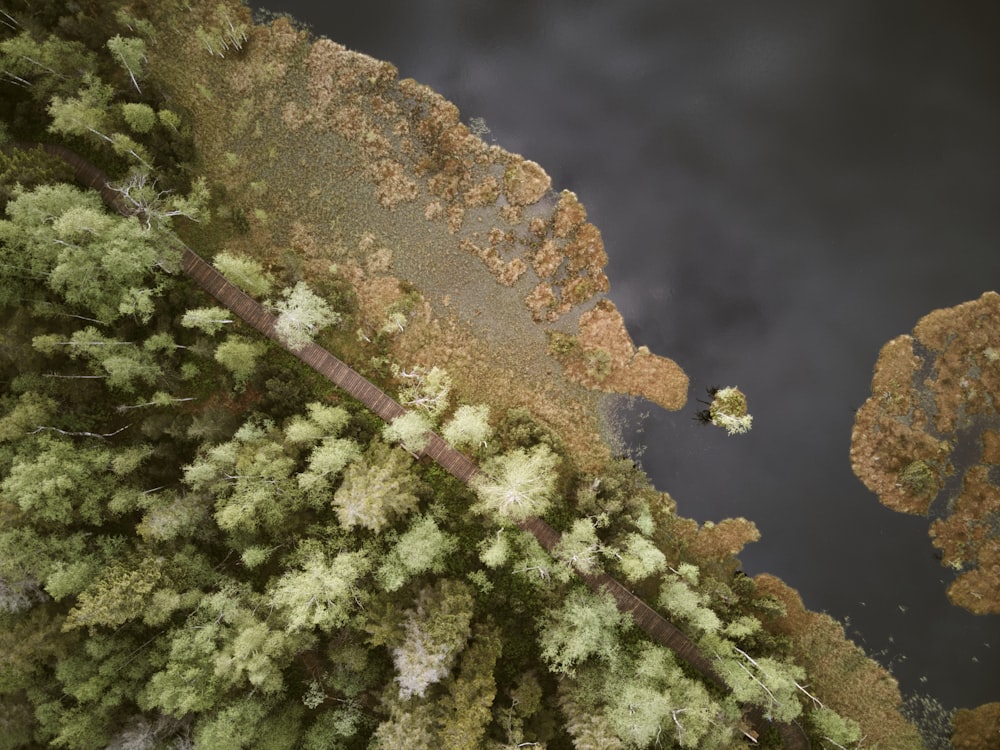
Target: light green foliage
(469,426)
(729,411)
(252,479)
(436,632)
(130,53)
(579,547)
(683,602)
(152,206)
(224,646)
(61,483)
(302,314)
(224,34)
(245,273)
(409,430)
(169,515)
(331,727)
(119,594)
(86,114)
(762,681)
(377,488)
(518,484)
(423,547)
(425,390)
(326,461)
(211,320)
(589,727)
(330,419)
(321,593)
(139,117)
(233,728)
(640,558)
(586,625)
(833,727)
(240,355)
(650,697)
(32,410)
(97,261)
(51,66)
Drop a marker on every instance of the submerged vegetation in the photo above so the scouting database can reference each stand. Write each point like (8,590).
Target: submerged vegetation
(204,543)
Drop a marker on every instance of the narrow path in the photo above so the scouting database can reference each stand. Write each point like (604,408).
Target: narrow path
(454,462)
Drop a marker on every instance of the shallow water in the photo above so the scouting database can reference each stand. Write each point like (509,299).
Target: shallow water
(782,188)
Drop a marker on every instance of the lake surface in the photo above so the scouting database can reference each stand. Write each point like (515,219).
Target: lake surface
(782,188)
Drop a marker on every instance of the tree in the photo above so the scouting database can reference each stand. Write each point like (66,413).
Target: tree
(240,356)
(424,389)
(422,548)
(586,625)
(518,484)
(467,707)
(469,426)
(245,273)
(640,558)
(87,113)
(92,259)
(409,430)
(61,483)
(301,314)
(326,461)
(51,66)
(210,320)
(321,592)
(139,195)
(579,547)
(130,53)
(729,410)
(435,633)
(378,488)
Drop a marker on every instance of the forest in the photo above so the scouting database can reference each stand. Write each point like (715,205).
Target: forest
(204,542)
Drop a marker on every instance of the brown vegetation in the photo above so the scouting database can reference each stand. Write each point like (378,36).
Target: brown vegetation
(852,684)
(977,728)
(935,394)
(603,356)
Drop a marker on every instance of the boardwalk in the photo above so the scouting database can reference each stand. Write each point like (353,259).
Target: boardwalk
(456,463)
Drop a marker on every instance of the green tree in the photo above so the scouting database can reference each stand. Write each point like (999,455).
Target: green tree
(321,592)
(245,273)
(51,66)
(240,356)
(409,430)
(469,426)
(519,484)
(436,632)
(424,389)
(301,314)
(377,488)
(586,625)
(423,547)
(640,558)
(210,320)
(466,709)
(130,53)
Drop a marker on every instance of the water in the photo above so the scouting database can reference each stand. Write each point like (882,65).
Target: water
(782,188)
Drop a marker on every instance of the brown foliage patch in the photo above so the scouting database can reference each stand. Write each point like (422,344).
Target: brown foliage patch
(630,371)
(977,728)
(930,391)
(852,684)
(525,182)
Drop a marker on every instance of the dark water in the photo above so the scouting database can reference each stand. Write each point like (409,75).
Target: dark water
(782,187)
